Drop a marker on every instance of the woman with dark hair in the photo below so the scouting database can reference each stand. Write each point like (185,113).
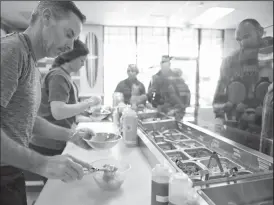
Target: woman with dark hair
(59,103)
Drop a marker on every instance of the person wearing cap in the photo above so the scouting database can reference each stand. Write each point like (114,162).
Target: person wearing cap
(59,104)
(164,88)
(132,85)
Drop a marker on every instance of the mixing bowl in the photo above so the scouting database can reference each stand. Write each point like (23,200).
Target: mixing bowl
(98,114)
(113,182)
(103,140)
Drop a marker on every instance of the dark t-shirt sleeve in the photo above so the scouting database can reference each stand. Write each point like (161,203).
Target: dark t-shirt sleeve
(11,69)
(143,89)
(119,87)
(59,88)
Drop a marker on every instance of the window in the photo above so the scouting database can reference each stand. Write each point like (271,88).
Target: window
(210,62)
(119,51)
(183,43)
(151,45)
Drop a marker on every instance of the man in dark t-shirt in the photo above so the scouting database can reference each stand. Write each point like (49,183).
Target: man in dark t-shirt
(125,86)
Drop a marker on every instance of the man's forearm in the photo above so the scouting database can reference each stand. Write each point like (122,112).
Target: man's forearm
(45,129)
(70,110)
(14,154)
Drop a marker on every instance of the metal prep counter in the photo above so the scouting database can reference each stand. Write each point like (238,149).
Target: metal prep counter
(251,183)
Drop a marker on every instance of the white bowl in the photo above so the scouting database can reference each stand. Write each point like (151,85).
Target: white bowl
(103,140)
(110,184)
(98,116)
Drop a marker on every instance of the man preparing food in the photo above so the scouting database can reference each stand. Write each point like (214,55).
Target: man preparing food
(53,28)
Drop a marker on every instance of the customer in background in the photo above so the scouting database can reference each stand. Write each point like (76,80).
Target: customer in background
(163,93)
(59,104)
(241,64)
(126,87)
(54,26)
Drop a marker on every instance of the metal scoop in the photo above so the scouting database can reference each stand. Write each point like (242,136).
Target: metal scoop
(107,169)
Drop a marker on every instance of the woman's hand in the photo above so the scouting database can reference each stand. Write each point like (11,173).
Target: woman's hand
(94,101)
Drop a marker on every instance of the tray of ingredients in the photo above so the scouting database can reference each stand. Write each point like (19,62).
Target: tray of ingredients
(175,155)
(159,139)
(198,153)
(192,169)
(159,125)
(185,144)
(165,146)
(226,164)
(152,117)
(175,137)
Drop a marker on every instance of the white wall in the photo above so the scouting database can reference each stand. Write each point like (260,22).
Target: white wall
(269,31)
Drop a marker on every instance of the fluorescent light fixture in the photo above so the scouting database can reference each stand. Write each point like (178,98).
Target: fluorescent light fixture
(211,15)
(92,57)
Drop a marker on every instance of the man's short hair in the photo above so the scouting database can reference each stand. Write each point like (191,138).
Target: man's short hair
(253,22)
(58,8)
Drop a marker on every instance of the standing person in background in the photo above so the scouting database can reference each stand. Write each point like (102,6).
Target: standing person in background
(164,89)
(59,104)
(242,63)
(54,26)
(125,86)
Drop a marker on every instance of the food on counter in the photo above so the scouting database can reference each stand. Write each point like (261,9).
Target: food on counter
(154,133)
(151,119)
(189,144)
(183,145)
(175,137)
(166,146)
(171,131)
(226,164)
(110,172)
(189,168)
(199,153)
(175,156)
(159,139)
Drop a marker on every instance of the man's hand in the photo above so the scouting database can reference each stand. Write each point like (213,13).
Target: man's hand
(63,167)
(78,136)
(94,101)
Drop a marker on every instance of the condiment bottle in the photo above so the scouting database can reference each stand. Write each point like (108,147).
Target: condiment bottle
(160,184)
(180,189)
(116,117)
(130,122)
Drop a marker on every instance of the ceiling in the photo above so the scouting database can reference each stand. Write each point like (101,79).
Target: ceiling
(149,13)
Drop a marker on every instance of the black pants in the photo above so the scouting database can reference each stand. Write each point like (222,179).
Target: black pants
(13,186)
(46,152)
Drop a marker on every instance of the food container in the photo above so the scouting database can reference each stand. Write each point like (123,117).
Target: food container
(175,137)
(165,146)
(185,144)
(176,155)
(171,131)
(103,140)
(198,153)
(191,168)
(99,114)
(111,183)
(226,164)
(159,139)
